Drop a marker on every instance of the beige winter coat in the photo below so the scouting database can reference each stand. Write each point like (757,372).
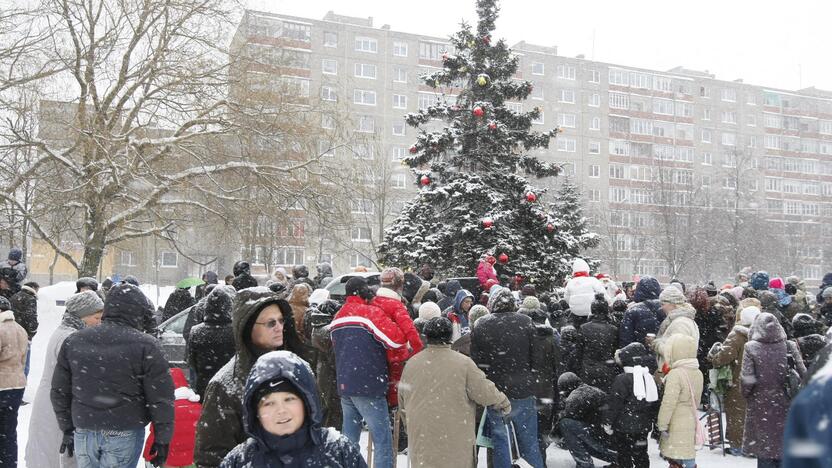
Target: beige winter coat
(13,346)
(679,321)
(438,394)
(675,414)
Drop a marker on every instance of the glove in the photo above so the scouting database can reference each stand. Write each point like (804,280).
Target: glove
(607,428)
(504,407)
(665,435)
(159,453)
(68,444)
(714,349)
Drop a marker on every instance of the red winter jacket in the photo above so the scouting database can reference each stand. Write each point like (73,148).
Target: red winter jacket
(186,415)
(397,312)
(485,272)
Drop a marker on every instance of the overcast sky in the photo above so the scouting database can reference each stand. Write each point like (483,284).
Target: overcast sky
(778,44)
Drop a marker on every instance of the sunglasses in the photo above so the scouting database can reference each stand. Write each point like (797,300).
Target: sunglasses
(272,323)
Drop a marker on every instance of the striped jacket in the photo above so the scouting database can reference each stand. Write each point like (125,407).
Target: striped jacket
(365,341)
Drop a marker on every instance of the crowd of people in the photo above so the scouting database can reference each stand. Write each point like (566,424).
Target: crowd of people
(283,375)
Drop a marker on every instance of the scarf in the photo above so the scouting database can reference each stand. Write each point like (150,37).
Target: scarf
(72,321)
(644,386)
(782,298)
(289,449)
(689,363)
(579,274)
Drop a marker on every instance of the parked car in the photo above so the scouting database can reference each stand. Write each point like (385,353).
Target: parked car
(337,287)
(171,339)
(470,283)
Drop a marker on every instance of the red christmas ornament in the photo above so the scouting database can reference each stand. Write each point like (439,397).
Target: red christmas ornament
(492,126)
(424,180)
(486,40)
(487,223)
(478,112)
(550,227)
(503,258)
(518,279)
(413,149)
(531,197)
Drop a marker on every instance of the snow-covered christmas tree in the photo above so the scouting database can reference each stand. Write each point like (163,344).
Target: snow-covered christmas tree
(475,197)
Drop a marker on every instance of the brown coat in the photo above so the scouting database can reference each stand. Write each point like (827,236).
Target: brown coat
(731,355)
(438,394)
(13,346)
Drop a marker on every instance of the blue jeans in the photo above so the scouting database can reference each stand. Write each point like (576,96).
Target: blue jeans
(583,444)
(374,411)
(687,463)
(9,404)
(108,449)
(524,416)
(28,358)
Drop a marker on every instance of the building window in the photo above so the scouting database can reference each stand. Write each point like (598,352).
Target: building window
(362,206)
(594,147)
(825,127)
(359,259)
(595,100)
(400,49)
(365,70)
(289,255)
(683,109)
(432,50)
(566,144)
(594,76)
(399,75)
(362,234)
(366,44)
(729,139)
(663,106)
(427,100)
(751,99)
(329,93)
(329,67)
(707,159)
(398,153)
(398,181)
(537,92)
(362,151)
(566,120)
(298,32)
(539,120)
(327,121)
(594,170)
(537,68)
(616,171)
(398,129)
(330,39)
(399,101)
(566,72)
(729,95)
(595,123)
(704,92)
(706,136)
(567,96)
(619,101)
(706,114)
(128,258)
(366,124)
(619,147)
(706,181)
(729,117)
(364,97)
(594,195)
(170,259)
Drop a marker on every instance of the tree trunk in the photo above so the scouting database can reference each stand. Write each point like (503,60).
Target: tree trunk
(52,268)
(93,253)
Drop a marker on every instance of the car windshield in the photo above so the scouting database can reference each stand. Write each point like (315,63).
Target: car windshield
(176,324)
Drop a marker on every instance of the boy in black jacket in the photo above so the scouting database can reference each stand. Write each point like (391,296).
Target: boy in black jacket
(632,405)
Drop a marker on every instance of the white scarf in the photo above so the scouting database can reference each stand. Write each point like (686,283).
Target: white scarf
(644,386)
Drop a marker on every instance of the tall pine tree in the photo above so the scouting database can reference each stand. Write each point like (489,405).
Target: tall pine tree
(475,197)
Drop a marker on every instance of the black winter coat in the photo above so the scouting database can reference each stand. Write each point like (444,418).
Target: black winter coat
(586,404)
(311,446)
(179,300)
(810,346)
(211,343)
(25,306)
(640,320)
(625,413)
(196,315)
(600,340)
(545,358)
(570,345)
(501,345)
(113,376)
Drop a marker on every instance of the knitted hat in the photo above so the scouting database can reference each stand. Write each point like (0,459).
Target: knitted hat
(531,303)
(599,306)
(672,295)
(827,293)
(429,310)
(503,301)
(86,282)
(748,315)
(278,384)
(84,303)
(438,330)
(776,283)
(5,304)
(15,254)
(477,312)
(357,286)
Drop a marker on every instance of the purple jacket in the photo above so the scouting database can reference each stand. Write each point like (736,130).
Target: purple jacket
(764,370)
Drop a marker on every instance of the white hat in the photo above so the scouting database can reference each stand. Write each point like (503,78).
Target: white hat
(429,310)
(748,315)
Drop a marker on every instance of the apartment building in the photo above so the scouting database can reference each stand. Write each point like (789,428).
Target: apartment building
(642,144)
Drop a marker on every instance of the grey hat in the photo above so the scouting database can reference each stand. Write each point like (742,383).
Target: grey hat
(84,303)
(827,293)
(5,304)
(672,295)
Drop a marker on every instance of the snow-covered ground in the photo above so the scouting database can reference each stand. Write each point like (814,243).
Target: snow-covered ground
(49,316)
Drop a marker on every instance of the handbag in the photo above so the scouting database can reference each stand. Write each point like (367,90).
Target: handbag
(483,437)
(699,438)
(792,383)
